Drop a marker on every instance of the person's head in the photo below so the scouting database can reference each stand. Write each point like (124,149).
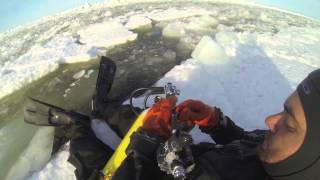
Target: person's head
(287,130)
(291,149)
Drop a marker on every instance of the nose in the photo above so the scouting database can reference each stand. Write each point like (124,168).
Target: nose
(273,121)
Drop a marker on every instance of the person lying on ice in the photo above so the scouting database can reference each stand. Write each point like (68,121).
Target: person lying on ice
(289,150)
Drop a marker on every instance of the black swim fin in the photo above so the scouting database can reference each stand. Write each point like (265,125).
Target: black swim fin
(44,114)
(40,113)
(107,72)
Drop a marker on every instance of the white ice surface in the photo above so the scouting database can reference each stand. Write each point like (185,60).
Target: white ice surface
(294,44)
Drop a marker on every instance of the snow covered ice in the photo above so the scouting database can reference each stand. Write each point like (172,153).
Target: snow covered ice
(245,60)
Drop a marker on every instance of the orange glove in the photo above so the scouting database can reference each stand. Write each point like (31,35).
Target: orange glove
(158,118)
(196,112)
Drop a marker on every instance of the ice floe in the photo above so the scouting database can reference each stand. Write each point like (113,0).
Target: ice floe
(173,13)
(106,34)
(203,23)
(138,22)
(79,74)
(45,59)
(173,30)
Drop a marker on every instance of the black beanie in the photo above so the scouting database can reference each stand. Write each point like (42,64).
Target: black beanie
(305,163)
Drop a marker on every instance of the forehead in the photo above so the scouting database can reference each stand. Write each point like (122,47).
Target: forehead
(295,106)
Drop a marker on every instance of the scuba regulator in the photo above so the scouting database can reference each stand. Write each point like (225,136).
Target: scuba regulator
(173,156)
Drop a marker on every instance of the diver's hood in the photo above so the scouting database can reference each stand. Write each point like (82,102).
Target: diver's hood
(305,163)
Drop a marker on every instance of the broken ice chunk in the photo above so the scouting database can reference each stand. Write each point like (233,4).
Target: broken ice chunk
(226,38)
(106,34)
(174,30)
(67,91)
(203,23)
(222,27)
(186,45)
(108,13)
(79,74)
(139,22)
(172,14)
(90,71)
(209,52)
(247,38)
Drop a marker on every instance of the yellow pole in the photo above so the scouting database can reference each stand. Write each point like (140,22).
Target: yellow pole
(119,155)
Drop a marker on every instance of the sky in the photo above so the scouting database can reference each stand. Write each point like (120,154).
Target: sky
(17,12)
(306,7)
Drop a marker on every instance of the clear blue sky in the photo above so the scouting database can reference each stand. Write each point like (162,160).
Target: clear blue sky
(17,12)
(309,8)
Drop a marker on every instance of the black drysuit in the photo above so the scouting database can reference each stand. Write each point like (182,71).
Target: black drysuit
(233,157)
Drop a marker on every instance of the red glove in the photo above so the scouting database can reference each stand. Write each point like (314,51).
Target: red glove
(158,118)
(196,112)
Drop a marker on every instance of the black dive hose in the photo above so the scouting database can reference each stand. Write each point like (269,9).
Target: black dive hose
(148,92)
